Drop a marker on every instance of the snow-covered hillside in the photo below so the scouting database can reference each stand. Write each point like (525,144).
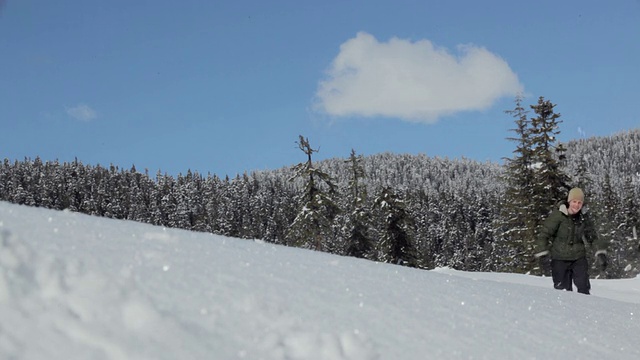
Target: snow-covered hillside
(79,287)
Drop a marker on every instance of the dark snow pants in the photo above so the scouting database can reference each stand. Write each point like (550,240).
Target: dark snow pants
(566,272)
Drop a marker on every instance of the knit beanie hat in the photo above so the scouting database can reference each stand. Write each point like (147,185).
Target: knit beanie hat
(575,194)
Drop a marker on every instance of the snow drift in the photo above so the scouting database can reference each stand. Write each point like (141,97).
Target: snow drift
(79,287)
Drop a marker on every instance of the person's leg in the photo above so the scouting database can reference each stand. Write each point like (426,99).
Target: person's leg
(560,272)
(568,281)
(580,269)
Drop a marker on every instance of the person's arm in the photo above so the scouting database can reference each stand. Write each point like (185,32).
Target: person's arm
(547,233)
(599,242)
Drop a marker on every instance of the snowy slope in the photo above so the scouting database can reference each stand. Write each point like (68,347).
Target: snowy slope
(79,287)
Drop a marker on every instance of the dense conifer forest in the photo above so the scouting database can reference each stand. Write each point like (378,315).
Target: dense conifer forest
(411,210)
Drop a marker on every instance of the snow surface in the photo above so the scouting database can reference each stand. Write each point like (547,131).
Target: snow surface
(79,287)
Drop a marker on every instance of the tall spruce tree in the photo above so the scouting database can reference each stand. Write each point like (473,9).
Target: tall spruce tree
(535,183)
(551,183)
(359,243)
(318,209)
(516,226)
(396,243)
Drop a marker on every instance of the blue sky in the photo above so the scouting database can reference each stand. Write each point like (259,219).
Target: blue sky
(225,87)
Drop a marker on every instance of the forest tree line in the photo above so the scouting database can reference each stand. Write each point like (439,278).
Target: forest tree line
(411,210)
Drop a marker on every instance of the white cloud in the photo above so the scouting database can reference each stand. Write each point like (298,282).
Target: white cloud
(82,112)
(413,81)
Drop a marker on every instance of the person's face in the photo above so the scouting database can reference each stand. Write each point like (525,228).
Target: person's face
(574,206)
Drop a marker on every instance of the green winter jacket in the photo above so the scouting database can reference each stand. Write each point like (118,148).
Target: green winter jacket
(564,236)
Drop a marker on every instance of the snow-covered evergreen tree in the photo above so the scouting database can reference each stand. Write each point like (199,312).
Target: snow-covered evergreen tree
(357,226)
(516,226)
(313,224)
(396,243)
(551,184)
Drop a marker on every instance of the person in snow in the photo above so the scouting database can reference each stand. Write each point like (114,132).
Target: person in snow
(562,237)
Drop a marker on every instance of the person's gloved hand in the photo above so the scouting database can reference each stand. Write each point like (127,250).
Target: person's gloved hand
(544,261)
(602,260)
